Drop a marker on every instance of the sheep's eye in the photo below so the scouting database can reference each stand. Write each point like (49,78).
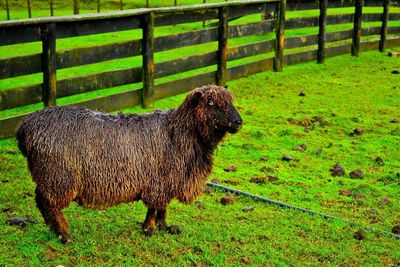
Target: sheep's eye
(210,103)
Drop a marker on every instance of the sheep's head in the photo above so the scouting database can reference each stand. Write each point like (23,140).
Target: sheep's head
(214,111)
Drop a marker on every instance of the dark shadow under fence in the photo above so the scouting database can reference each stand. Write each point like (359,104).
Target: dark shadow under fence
(49,30)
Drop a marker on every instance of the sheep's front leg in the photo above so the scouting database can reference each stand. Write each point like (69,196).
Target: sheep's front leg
(149,224)
(161,219)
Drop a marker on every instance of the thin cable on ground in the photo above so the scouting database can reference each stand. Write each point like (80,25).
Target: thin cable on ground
(281,204)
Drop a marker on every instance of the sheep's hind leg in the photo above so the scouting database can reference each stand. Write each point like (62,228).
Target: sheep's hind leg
(161,221)
(54,218)
(149,224)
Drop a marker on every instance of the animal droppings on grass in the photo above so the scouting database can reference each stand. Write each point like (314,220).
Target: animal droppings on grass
(357,131)
(197,250)
(230,169)
(346,193)
(374,220)
(302,94)
(215,181)
(302,234)
(248,209)
(380,161)
(356,174)
(20,221)
(301,147)
(394,120)
(306,122)
(228,199)
(258,180)
(385,201)
(395,72)
(396,229)
(174,229)
(359,235)
(207,190)
(320,121)
(359,196)
(287,157)
(272,178)
(7,209)
(245,260)
(337,170)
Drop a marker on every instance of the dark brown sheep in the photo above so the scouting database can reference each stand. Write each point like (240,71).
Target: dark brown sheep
(100,160)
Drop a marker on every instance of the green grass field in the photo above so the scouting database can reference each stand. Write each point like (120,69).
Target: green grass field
(345,93)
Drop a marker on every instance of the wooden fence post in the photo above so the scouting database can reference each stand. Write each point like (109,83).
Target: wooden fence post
(148,60)
(204,21)
(28,2)
(355,47)
(147,3)
(121,5)
(8,10)
(322,31)
(49,86)
(51,3)
(76,7)
(280,37)
(98,6)
(175,2)
(385,18)
(222,54)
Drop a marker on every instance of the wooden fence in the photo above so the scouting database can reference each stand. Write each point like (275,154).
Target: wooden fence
(48,30)
(75,6)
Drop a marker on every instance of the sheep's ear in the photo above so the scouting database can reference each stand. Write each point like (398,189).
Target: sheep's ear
(195,98)
(226,86)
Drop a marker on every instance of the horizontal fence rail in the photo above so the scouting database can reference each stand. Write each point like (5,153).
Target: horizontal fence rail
(276,50)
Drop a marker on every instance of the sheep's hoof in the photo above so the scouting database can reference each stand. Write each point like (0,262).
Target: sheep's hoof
(65,239)
(163,227)
(148,231)
(174,230)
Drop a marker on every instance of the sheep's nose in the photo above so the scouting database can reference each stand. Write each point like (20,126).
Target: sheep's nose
(239,121)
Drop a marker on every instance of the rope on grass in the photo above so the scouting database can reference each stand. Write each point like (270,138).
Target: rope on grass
(284,205)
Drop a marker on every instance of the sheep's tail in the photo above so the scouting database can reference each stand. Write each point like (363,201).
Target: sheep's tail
(21,138)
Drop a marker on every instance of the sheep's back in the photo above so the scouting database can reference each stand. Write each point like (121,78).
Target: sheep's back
(104,159)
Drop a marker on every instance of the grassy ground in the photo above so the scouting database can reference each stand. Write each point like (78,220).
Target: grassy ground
(341,95)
